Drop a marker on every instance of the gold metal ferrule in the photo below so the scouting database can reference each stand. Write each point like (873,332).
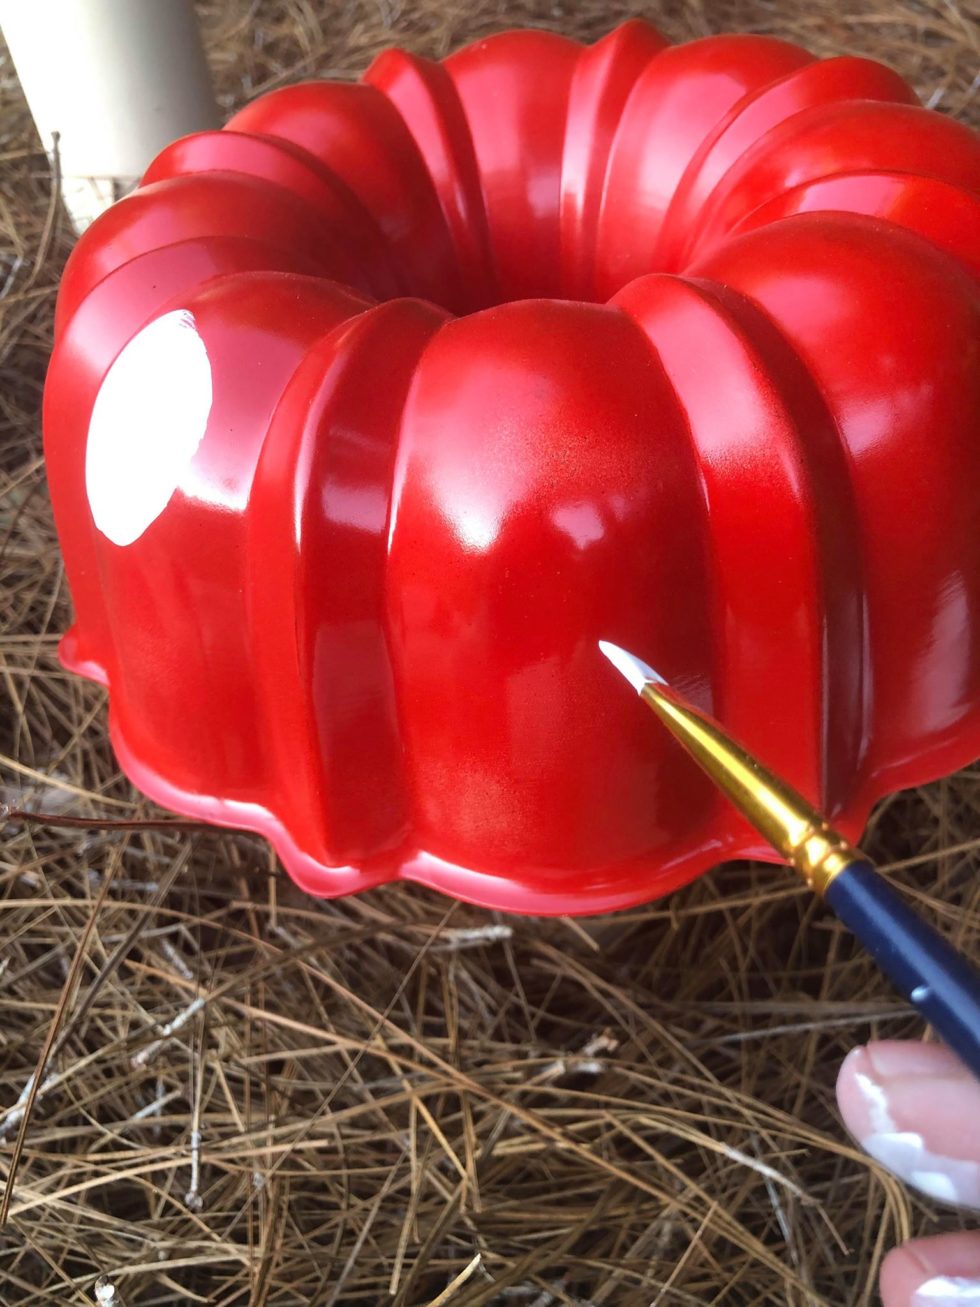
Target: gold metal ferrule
(791,825)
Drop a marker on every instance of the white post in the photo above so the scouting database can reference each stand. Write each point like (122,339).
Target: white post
(115,81)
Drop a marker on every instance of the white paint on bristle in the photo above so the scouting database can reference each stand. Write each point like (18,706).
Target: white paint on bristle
(459,937)
(147,422)
(105,1292)
(637,672)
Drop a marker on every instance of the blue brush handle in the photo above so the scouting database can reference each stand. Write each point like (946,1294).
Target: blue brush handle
(939,982)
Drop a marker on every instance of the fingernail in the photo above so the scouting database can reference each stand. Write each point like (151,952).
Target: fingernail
(911,1114)
(947,1291)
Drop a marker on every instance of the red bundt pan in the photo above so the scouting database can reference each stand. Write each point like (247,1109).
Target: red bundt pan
(354,459)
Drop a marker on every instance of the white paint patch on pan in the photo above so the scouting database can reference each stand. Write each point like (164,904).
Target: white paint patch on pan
(148,419)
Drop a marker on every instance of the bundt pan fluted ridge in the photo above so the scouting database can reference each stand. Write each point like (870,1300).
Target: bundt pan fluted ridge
(369,415)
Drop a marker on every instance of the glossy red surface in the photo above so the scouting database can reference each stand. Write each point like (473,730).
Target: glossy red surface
(369,415)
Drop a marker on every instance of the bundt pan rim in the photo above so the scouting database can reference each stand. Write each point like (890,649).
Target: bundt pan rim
(494,892)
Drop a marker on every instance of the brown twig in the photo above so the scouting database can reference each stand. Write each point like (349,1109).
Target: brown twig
(69,822)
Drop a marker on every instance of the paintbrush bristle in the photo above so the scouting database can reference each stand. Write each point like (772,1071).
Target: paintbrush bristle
(636,671)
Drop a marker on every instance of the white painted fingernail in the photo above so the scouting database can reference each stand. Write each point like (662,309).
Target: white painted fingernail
(947,1291)
(906,1154)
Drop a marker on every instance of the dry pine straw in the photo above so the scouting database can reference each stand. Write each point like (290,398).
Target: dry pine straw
(255,1098)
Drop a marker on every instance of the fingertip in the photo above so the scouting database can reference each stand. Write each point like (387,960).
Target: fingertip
(861,1097)
(912,1108)
(851,1063)
(912,1058)
(943,1271)
(900,1275)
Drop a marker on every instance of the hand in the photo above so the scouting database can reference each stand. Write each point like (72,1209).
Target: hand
(916,1109)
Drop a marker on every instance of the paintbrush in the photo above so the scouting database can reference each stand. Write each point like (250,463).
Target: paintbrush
(938,981)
